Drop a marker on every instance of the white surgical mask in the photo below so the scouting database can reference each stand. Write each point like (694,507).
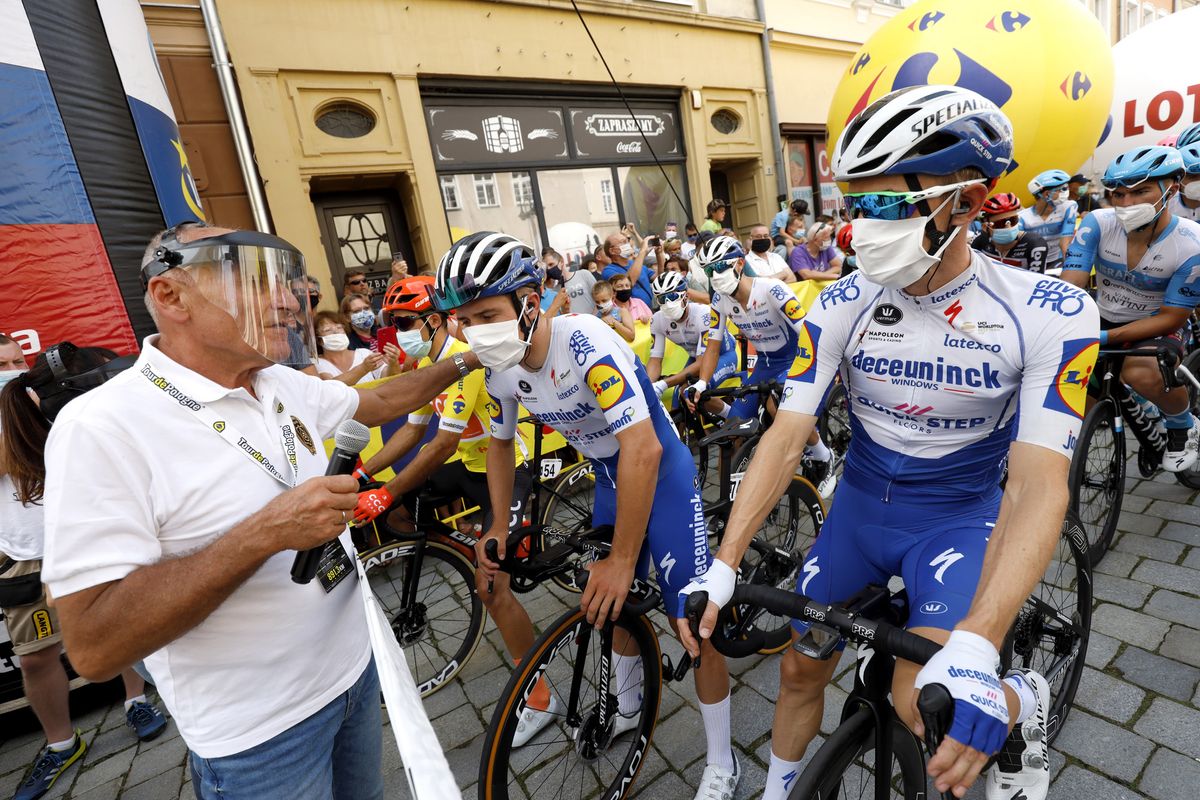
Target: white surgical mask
(726,282)
(363,320)
(335,341)
(412,344)
(626,250)
(672,311)
(10,374)
(1192,190)
(891,253)
(670,235)
(499,345)
(1136,216)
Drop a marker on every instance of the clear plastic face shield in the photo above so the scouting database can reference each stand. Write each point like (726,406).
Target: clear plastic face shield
(257,279)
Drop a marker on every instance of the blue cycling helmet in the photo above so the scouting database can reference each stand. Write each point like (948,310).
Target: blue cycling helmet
(1190,135)
(719,248)
(1191,158)
(931,130)
(1050,179)
(1141,164)
(484,264)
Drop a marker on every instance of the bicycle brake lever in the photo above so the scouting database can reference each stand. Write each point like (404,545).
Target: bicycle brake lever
(694,608)
(492,550)
(937,712)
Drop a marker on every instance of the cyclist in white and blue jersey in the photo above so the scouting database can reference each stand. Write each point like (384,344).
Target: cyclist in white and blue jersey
(953,365)
(685,323)
(576,375)
(1147,264)
(1186,204)
(1053,214)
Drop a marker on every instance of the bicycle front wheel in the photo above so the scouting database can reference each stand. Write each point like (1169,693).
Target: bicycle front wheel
(1097,476)
(442,627)
(845,765)
(1050,633)
(569,509)
(575,755)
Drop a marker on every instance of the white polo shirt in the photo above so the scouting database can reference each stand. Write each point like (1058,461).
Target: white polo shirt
(135,477)
(768,265)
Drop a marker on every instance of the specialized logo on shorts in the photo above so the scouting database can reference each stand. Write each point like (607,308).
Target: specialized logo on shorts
(41,623)
(804,366)
(793,310)
(608,383)
(1068,393)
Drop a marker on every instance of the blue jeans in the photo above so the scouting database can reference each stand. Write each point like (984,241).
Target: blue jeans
(336,754)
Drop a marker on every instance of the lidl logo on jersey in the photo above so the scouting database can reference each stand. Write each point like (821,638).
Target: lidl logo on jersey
(494,411)
(608,383)
(714,319)
(804,366)
(793,310)
(1068,393)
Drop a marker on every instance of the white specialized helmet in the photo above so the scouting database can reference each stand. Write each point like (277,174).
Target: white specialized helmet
(719,248)
(667,282)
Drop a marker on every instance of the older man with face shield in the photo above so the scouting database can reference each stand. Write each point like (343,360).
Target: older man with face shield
(176,495)
(954,365)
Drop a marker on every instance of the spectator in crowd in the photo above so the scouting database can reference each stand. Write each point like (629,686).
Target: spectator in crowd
(695,289)
(600,254)
(715,216)
(169,539)
(312,287)
(845,244)
(791,236)
(576,283)
(28,403)
(1079,190)
(672,247)
(797,208)
(624,299)
(590,264)
(761,259)
(338,361)
(399,268)
(364,325)
(816,259)
(355,282)
(625,261)
(617,318)
(670,232)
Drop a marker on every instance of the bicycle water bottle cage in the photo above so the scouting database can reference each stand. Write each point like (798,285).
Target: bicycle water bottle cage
(820,641)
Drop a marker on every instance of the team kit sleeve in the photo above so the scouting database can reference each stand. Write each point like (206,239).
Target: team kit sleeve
(786,303)
(716,323)
(502,409)
(1183,290)
(1061,356)
(658,344)
(609,372)
(1081,255)
(823,336)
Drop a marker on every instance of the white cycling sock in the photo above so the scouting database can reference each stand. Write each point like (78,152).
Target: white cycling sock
(61,747)
(716,730)
(628,683)
(819,451)
(781,776)
(1024,689)
(724,412)
(141,698)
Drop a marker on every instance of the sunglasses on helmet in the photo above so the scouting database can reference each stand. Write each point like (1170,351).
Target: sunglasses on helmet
(893,206)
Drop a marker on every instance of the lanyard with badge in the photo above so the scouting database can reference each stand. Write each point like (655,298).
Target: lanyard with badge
(335,563)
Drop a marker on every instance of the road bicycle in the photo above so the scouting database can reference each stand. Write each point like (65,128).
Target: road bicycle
(872,753)
(1098,466)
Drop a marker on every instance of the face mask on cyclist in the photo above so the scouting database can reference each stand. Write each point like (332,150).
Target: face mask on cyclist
(673,310)
(726,282)
(1140,215)
(1192,190)
(412,344)
(499,345)
(892,253)
(1005,235)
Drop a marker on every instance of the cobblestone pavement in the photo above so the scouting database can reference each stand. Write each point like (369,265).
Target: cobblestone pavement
(1134,731)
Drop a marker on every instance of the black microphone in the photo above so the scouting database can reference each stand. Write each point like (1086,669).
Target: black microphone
(350,439)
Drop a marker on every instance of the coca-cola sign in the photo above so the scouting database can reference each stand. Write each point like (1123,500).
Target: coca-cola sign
(602,133)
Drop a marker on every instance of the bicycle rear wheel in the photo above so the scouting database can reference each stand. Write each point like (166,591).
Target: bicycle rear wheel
(1097,476)
(574,756)
(569,509)
(441,630)
(844,767)
(1050,633)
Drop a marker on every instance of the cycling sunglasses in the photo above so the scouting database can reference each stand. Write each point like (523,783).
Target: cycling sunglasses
(893,206)
(407,323)
(670,297)
(720,266)
(1011,222)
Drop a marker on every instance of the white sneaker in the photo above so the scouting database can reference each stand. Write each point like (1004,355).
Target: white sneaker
(717,783)
(533,721)
(624,724)
(1181,450)
(1022,769)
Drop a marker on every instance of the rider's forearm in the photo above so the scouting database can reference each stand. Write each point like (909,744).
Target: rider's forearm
(770,471)
(408,392)
(1020,547)
(1077,277)
(708,361)
(683,374)
(401,442)
(637,463)
(654,368)
(501,474)
(417,471)
(1146,328)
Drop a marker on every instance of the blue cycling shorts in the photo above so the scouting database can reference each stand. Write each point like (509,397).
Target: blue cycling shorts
(676,533)
(938,552)
(726,367)
(765,369)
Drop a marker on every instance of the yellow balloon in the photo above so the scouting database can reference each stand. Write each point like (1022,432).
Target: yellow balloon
(1046,63)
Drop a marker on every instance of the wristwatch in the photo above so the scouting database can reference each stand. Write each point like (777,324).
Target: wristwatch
(461,363)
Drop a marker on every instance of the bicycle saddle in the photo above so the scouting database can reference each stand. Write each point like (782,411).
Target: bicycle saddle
(733,428)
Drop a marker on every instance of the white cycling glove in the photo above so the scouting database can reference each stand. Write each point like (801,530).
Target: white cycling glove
(659,387)
(696,389)
(967,666)
(718,581)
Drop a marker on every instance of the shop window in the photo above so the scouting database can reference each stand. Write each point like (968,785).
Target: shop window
(345,120)
(647,199)
(725,121)
(607,196)
(450,198)
(522,187)
(485,190)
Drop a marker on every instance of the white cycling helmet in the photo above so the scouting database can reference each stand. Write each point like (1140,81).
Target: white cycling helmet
(931,130)
(719,248)
(667,282)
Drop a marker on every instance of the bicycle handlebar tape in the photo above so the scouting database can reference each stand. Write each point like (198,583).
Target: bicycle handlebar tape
(349,441)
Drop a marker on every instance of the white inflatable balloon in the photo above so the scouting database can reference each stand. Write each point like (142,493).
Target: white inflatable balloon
(574,240)
(1156,91)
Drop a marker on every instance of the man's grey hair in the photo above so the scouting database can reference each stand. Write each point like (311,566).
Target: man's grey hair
(148,256)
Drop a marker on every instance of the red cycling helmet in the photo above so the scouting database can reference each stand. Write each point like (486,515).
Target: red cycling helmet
(1001,204)
(844,235)
(409,294)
